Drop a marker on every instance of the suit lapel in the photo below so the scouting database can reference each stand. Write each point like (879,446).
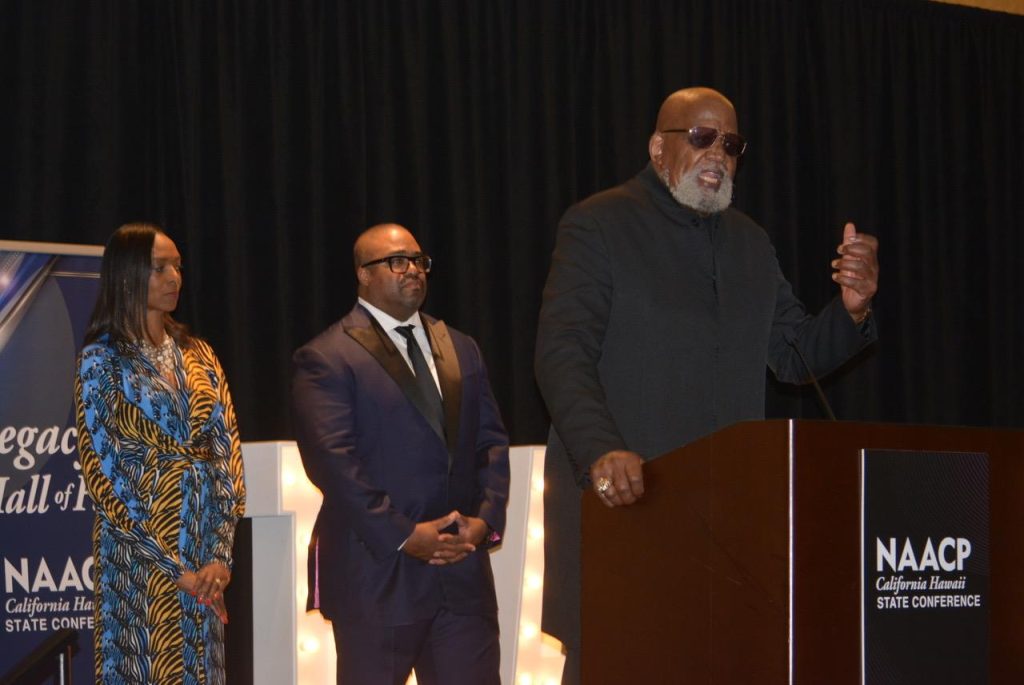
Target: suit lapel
(449,376)
(378,343)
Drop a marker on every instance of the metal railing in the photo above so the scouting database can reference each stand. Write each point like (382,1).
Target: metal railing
(50,662)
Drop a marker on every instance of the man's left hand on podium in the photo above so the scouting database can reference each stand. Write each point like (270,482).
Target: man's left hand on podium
(618,478)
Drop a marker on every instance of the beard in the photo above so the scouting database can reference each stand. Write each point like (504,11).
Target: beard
(690,192)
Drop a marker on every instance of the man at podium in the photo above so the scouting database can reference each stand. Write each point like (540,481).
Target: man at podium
(661,310)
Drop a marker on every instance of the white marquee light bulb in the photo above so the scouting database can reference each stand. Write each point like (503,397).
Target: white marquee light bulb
(288,478)
(528,631)
(309,644)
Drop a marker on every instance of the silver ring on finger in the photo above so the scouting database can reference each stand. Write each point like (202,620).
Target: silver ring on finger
(604,485)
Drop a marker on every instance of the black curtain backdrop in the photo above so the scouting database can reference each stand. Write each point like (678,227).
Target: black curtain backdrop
(265,135)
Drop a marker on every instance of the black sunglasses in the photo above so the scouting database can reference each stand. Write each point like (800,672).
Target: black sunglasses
(399,263)
(703,137)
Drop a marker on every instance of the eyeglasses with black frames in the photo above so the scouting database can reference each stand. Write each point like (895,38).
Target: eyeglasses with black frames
(399,263)
(703,137)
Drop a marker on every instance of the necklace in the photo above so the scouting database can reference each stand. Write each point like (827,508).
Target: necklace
(161,356)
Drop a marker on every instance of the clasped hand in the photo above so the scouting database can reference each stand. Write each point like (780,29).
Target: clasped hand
(427,542)
(207,585)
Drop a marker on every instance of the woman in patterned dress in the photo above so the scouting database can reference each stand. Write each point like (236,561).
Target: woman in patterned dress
(161,459)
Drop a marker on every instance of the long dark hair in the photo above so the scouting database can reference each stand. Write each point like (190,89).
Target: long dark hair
(120,310)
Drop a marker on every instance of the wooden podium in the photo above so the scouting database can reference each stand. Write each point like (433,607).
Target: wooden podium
(742,563)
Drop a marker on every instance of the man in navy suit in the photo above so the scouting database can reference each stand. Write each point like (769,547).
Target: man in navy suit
(399,429)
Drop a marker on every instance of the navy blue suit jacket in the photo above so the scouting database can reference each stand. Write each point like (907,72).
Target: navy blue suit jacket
(382,468)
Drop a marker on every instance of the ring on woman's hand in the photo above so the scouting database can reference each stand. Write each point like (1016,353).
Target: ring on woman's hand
(603,485)
(217,580)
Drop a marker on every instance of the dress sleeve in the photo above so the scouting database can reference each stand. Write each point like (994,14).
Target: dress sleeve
(231,478)
(109,467)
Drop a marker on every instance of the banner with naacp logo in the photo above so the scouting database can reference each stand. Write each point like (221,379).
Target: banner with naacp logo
(46,295)
(925,554)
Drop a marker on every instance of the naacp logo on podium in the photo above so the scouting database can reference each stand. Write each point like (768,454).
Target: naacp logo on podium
(925,567)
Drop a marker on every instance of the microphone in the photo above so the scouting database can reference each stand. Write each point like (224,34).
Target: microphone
(814,379)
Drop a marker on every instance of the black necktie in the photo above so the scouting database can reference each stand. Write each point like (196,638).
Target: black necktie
(424,380)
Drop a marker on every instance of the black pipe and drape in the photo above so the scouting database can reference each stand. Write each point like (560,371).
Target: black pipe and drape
(266,134)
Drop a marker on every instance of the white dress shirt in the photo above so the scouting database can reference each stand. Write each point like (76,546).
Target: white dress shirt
(390,324)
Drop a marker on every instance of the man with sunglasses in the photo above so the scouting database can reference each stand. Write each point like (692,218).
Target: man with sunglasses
(397,426)
(661,310)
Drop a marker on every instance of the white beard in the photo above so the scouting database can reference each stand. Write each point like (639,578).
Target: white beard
(689,191)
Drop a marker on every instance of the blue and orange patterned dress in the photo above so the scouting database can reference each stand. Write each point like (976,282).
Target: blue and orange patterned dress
(164,468)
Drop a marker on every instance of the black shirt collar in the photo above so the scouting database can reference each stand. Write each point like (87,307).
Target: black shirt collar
(666,204)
